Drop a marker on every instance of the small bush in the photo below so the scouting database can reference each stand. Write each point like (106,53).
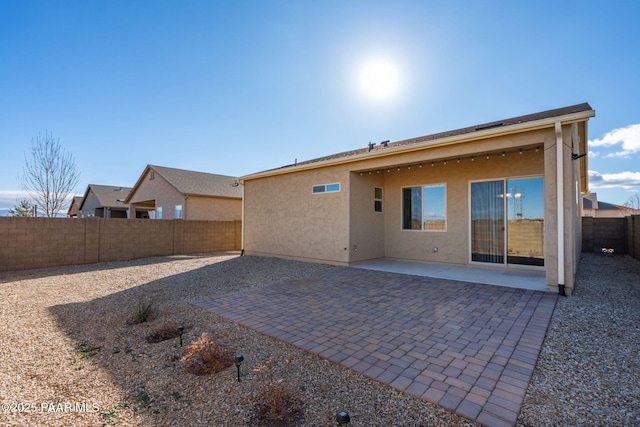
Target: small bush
(205,356)
(277,403)
(143,311)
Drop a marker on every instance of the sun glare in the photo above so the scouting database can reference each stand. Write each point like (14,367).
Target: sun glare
(379,79)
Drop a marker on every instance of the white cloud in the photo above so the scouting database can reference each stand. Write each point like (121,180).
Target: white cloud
(628,137)
(10,198)
(626,180)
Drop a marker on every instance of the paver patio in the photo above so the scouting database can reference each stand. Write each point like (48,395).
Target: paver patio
(470,348)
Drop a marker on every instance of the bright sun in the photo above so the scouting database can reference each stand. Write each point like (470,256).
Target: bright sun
(379,79)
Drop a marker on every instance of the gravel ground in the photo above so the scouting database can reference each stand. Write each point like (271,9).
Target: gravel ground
(70,354)
(588,371)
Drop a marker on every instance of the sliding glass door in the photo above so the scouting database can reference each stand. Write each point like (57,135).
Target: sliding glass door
(507,221)
(487,222)
(524,199)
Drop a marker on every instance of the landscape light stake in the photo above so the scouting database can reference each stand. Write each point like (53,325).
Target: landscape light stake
(180,331)
(239,359)
(343,418)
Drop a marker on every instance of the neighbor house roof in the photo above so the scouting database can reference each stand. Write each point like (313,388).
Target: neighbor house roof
(109,196)
(574,113)
(192,183)
(602,206)
(74,207)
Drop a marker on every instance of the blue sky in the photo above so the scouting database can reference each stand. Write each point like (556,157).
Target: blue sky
(236,87)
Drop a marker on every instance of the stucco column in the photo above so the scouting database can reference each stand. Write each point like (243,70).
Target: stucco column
(560,222)
(550,212)
(560,196)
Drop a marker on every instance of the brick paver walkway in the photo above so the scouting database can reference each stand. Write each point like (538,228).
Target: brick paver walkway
(468,347)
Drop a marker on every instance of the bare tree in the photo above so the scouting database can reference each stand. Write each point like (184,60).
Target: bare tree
(50,174)
(634,201)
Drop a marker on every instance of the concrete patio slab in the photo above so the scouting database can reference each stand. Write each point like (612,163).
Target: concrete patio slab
(468,347)
(524,279)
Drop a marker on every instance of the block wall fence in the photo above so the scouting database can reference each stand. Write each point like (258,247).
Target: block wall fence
(27,243)
(620,234)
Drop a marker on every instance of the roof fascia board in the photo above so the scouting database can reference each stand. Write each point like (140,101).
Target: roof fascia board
(450,140)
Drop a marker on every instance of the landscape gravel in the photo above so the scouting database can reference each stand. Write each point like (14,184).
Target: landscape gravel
(71,354)
(588,371)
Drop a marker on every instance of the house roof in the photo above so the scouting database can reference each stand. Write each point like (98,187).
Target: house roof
(578,112)
(74,207)
(109,196)
(604,206)
(192,183)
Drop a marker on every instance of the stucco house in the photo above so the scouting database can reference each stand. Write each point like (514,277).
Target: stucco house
(169,193)
(502,195)
(104,201)
(74,207)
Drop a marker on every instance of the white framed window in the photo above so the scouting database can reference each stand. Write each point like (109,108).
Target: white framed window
(178,214)
(159,212)
(425,208)
(326,188)
(377,199)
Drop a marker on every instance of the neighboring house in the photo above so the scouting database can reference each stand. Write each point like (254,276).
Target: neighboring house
(104,201)
(168,193)
(502,195)
(596,209)
(74,207)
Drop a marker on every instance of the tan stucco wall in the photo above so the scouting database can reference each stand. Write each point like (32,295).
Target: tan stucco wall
(453,244)
(212,208)
(283,217)
(367,227)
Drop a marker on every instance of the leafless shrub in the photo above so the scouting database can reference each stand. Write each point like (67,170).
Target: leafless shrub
(205,356)
(277,403)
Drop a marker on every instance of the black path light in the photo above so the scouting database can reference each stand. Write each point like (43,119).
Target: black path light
(343,418)
(239,358)
(180,331)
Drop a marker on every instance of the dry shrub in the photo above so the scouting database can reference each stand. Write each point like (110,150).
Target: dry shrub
(277,403)
(167,331)
(205,356)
